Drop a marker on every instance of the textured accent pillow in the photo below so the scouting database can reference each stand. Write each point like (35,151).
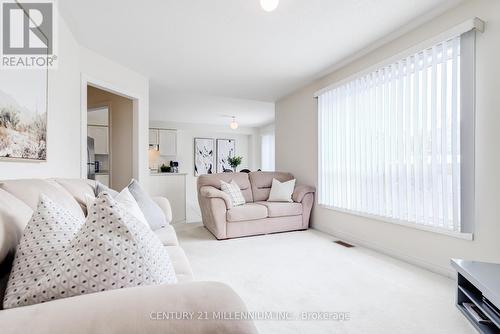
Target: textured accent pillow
(46,236)
(281,191)
(111,250)
(153,213)
(234,192)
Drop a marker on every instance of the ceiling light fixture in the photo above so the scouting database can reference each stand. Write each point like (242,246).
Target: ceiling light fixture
(233,125)
(269,5)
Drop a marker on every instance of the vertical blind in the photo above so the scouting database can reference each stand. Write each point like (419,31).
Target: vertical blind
(389,140)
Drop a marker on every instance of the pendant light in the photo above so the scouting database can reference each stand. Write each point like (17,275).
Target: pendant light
(233,125)
(269,5)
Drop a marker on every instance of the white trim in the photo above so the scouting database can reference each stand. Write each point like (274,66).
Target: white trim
(474,23)
(459,235)
(86,80)
(468,130)
(445,271)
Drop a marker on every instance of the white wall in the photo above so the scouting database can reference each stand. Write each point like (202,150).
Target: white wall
(185,148)
(65,131)
(296,150)
(109,75)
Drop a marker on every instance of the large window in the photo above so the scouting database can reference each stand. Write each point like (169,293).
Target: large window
(267,150)
(396,142)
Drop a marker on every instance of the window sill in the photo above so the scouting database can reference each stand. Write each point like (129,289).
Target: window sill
(458,235)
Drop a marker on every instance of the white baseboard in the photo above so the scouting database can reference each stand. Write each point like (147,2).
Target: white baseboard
(448,272)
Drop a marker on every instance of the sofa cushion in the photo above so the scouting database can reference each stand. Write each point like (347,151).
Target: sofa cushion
(240,178)
(249,211)
(282,209)
(79,189)
(167,236)
(14,215)
(126,311)
(29,190)
(261,183)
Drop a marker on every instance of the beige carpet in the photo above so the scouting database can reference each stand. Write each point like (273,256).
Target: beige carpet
(305,272)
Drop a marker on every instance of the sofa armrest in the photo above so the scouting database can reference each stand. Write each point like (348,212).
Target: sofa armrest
(164,205)
(134,310)
(212,192)
(300,191)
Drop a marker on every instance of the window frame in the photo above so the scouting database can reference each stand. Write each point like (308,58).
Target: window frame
(467,32)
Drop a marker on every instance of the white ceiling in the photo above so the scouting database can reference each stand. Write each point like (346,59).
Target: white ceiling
(232,48)
(191,108)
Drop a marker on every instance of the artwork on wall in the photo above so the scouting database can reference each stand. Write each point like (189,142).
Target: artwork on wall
(226,148)
(204,156)
(23,115)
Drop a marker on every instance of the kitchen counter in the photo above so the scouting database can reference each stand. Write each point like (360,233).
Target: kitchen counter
(173,187)
(165,174)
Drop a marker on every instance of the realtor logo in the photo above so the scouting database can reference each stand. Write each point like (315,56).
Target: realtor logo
(27,34)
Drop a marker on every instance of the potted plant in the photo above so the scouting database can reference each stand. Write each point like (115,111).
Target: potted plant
(234,162)
(165,169)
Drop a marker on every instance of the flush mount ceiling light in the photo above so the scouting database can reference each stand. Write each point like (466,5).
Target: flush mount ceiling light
(233,125)
(269,5)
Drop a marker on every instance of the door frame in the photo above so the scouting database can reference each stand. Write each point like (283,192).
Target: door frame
(86,81)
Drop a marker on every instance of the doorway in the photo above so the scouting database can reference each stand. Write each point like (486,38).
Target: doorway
(110,126)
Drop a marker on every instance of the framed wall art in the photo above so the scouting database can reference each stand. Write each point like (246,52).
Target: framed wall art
(204,156)
(23,114)
(226,148)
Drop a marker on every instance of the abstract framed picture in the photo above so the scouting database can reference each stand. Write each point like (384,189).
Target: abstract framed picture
(226,148)
(204,156)
(23,114)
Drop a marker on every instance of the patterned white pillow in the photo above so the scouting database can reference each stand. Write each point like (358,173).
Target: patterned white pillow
(111,250)
(234,192)
(44,239)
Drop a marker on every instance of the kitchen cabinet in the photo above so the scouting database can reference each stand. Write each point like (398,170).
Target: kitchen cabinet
(101,138)
(173,187)
(99,116)
(167,140)
(153,136)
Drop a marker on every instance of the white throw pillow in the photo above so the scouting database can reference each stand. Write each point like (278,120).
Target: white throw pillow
(281,191)
(127,201)
(152,211)
(111,250)
(234,192)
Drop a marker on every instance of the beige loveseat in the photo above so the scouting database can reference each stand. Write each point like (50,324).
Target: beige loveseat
(132,310)
(257,216)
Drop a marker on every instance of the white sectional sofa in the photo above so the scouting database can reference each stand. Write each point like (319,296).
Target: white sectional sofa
(151,309)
